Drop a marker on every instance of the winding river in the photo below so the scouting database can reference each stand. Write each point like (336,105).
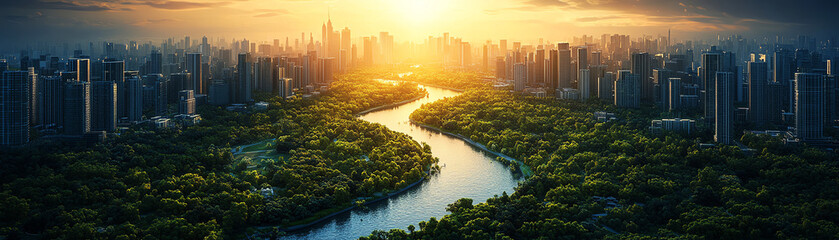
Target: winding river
(466,172)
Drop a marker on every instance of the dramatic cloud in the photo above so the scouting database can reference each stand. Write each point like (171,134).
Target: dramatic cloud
(764,14)
(154,21)
(181,5)
(267,15)
(473,20)
(61,5)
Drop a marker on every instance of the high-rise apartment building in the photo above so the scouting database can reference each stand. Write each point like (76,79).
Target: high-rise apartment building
(76,108)
(564,69)
(712,62)
(134,98)
(674,94)
(186,102)
(15,111)
(193,66)
(640,65)
(724,92)
(103,106)
(584,84)
(758,90)
(242,84)
(604,86)
(520,76)
(627,90)
(809,106)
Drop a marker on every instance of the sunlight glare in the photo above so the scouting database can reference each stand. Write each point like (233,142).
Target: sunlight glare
(419,11)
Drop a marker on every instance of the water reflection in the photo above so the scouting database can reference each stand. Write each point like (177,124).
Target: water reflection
(468,173)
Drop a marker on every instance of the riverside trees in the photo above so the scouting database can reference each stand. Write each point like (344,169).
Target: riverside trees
(180,183)
(594,179)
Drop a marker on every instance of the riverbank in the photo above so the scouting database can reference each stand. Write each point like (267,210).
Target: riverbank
(354,206)
(437,86)
(525,170)
(389,106)
(308,223)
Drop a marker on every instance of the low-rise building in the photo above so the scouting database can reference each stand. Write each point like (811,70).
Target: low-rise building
(569,94)
(681,126)
(605,116)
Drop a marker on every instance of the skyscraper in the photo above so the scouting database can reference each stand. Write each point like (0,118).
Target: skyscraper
(157,98)
(134,98)
(627,90)
(368,51)
(604,86)
(531,71)
(712,62)
(485,62)
(242,85)
(155,63)
(553,69)
(346,39)
(509,70)
(264,74)
(582,61)
(4,66)
(500,68)
(758,102)
(564,69)
(177,82)
(82,69)
(15,97)
(76,108)
(809,106)
(641,66)
(674,94)
(539,78)
(103,106)
(186,102)
(783,74)
(661,77)
(114,71)
(583,84)
(53,102)
(831,91)
(724,113)
(520,76)
(327,70)
(193,66)
(285,87)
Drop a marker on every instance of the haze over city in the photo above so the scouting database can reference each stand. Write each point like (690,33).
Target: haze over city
(410,20)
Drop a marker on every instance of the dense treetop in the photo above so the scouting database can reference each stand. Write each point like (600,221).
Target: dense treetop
(186,183)
(616,180)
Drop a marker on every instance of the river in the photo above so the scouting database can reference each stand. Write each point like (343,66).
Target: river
(466,172)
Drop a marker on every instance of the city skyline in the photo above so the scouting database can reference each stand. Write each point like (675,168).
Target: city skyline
(410,20)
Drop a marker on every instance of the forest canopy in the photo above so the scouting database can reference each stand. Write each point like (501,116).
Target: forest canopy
(187,184)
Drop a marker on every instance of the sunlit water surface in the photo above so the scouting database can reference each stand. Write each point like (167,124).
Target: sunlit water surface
(466,172)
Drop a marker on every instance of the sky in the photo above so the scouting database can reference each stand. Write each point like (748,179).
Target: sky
(414,20)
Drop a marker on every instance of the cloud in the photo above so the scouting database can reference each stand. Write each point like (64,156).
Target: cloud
(183,5)
(263,13)
(145,22)
(267,15)
(73,5)
(552,3)
(113,5)
(763,14)
(596,19)
(19,19)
